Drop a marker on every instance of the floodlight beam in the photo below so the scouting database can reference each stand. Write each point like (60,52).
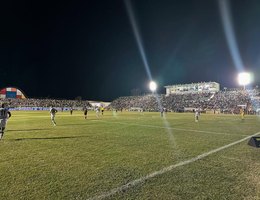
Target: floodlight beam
(138,37)
(230,35)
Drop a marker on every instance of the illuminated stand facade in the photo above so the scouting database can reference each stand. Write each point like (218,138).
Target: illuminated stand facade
(193,87)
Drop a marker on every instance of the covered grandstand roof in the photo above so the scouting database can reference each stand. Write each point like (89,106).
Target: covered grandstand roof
(12,92)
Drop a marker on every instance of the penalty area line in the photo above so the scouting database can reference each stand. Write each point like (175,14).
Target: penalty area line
(135,182)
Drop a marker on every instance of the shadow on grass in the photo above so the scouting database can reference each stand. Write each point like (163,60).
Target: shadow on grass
(33,129)
(72,125)
(48,138)
(81,124)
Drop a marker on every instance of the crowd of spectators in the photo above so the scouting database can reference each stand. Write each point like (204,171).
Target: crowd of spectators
(44,103)
(222,101)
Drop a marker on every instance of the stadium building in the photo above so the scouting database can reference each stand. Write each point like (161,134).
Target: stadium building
(99,103)
(11,92)
(193,87)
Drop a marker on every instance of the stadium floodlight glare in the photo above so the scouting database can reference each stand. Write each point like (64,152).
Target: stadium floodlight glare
(153,86)
(244,78)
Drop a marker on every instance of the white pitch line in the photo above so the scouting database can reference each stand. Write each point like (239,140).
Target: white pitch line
(166,169)
(163,127)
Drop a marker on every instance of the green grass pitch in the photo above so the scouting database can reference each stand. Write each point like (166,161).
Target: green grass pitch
(88,159)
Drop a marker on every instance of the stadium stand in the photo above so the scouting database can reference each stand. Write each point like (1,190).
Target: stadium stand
(43,104)
(227,101)
(223,101)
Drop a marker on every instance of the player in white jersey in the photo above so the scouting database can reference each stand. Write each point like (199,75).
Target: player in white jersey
(53,111)
(197,113)
(97,109)
(5,114)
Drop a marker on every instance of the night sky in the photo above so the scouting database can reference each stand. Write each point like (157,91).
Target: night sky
(65,49)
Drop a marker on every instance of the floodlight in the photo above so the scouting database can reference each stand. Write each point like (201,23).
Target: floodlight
(152,86)
(244,78)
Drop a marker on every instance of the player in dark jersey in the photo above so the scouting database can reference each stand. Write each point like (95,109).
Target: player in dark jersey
(5,114)
(71,110)
(85,109)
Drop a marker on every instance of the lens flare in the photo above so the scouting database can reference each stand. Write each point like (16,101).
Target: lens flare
(244,78)
(139,42)
(230,35)
(137,37)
